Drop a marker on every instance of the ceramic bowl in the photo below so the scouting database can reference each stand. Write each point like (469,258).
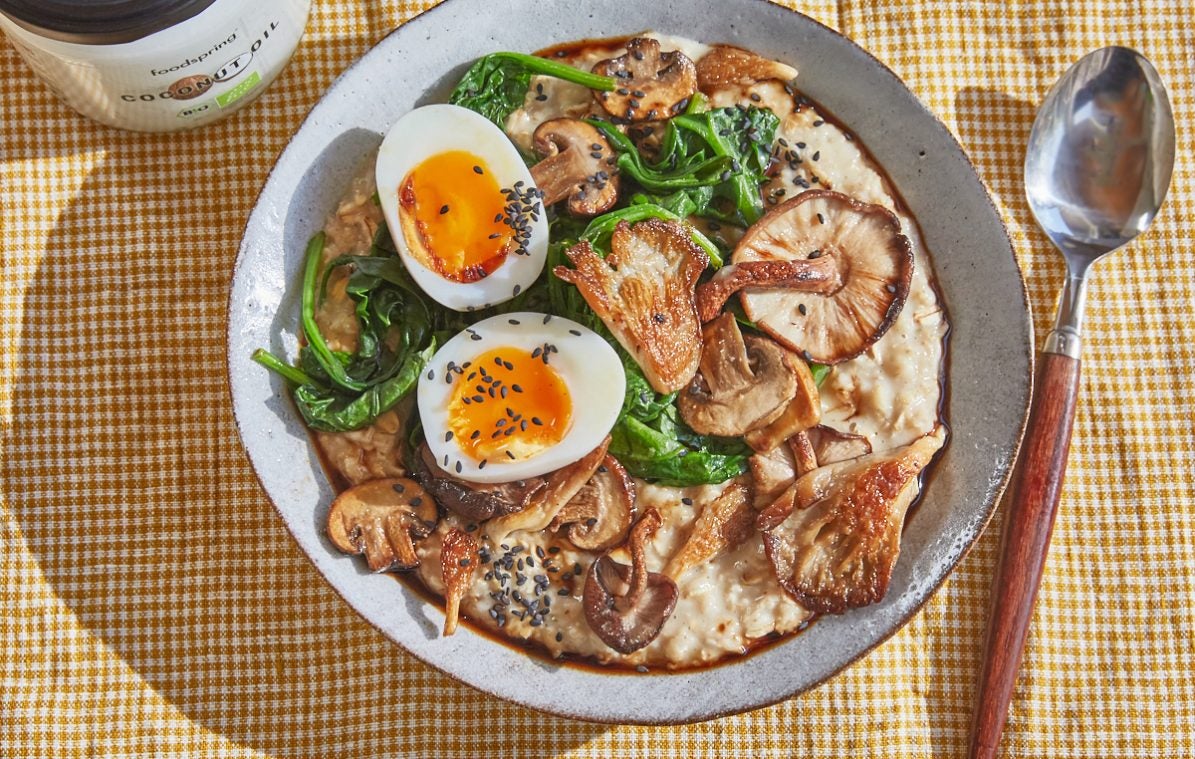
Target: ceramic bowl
(990,354)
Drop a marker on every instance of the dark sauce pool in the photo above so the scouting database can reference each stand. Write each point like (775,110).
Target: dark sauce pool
(411,581)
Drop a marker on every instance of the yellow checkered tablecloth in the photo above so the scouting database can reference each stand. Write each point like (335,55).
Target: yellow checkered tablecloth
(152,603)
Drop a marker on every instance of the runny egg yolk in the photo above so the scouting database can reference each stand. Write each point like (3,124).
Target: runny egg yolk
(509,405)
(451,209)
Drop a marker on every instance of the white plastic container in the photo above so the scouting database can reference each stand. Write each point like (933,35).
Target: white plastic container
(155,65)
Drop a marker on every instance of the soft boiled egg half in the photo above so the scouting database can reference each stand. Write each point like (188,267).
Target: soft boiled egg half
(519,395)
(461,206)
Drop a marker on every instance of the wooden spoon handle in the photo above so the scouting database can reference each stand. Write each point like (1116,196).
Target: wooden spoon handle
(1028,522)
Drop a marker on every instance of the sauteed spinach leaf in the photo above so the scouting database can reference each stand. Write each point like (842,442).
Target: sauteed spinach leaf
(710,163)
(496,84)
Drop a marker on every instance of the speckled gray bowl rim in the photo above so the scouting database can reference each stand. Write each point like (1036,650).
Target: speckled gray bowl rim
(990,359)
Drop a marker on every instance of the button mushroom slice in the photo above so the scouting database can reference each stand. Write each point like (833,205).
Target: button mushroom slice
(745,382)
(801,413)
(643,292)
(818,275)
(601,512)
(471,500)
(726,65)
(382,519)
(651,84)
(627,606)
(837,549)
(819,444)
(724,523)
(562,485)
(458,554)
(874,263)
(578,165)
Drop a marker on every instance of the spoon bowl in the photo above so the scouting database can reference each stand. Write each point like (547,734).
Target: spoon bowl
(1097,168)
(1101,153)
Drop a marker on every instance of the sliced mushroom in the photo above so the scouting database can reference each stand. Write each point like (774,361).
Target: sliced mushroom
(651,84)
(803,452)
(873,259)
(771,474)
(745,382)
(818,275)
(578,164)
(643,291)
(724,523)
(601,512)
(725,65)
(801,413)
(458,555)
(831,445)
(837,549)
(627,606)
(472,500)
(562,485)
(382,519)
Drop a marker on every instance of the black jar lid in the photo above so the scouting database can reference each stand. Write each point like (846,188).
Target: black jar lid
(100,22)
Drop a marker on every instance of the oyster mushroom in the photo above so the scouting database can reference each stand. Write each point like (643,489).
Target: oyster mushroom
(874,263)
(652,85)
(745,382)
(382,519)
(837,549)
(643,291)
(562,486)
(726,65)
(472,500)
(816,446)
(627,606)
(577,165)
(831,446)
(601,512)
(723,524)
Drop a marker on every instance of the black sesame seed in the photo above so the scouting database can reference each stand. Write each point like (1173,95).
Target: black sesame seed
(509,455)
(641,668)
(541,97)
(465,562)
(801,309)
(687,501)
(821,219)
(399,487)
(518,289)
(443,209)
(447,436)
(477,170)
(818,123)
(458,467)
(890,288)
(559,637)
(815,254)
(481,464)
(755,98)
(516,388)
(817,154)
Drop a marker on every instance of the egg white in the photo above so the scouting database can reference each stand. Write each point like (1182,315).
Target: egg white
(439,128)
(588,365)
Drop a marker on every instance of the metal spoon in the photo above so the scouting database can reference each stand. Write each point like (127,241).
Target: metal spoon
(1096,170)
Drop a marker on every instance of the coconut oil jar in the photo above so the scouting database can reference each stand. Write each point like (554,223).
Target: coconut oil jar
(155,65)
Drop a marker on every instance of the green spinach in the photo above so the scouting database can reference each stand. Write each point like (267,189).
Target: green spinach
(496,84)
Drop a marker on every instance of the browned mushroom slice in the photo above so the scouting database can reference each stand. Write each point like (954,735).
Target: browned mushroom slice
(643,291)
(745,382)
(601,512)
(382,519)
(576,166)
(725,65)
(473,500)
(831,445)
(722,525)
(627,606)
(651,84)
(458,554)
(562,485)
(771,474)
(819,275)
(874,262)
(837,549)
(801,413)
(803,452)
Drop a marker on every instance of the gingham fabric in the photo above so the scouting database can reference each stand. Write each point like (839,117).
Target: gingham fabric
(152,604)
